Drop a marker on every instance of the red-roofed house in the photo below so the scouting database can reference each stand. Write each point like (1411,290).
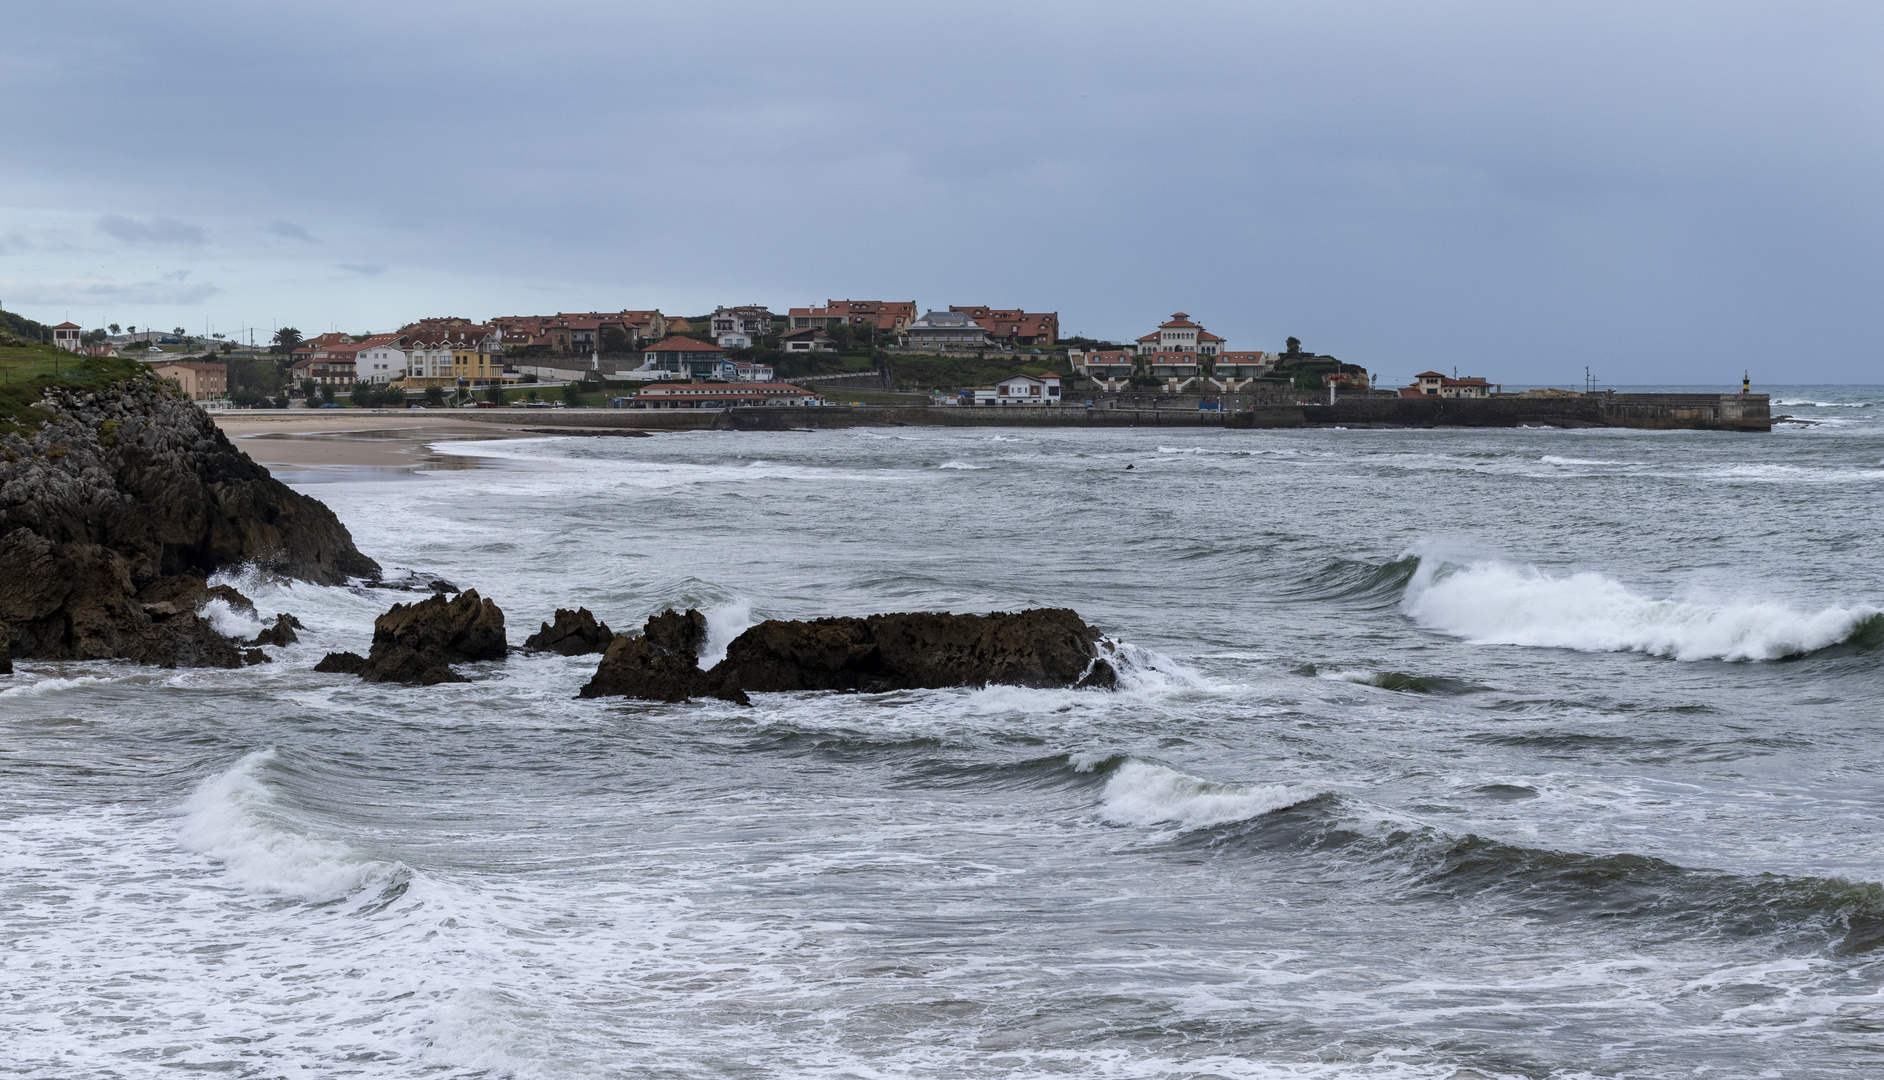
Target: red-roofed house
(66,335)
(1175,364)
(1434,384)
(1014,326)
(1180,334)
(888,316)
(682,356)
(315,348)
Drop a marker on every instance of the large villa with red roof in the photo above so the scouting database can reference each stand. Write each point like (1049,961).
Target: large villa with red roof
(1180,335)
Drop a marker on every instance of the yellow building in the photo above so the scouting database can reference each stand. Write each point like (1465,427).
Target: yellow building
(200,382)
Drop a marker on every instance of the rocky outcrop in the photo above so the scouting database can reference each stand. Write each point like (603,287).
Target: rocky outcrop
(417,643)
(1043,647)
(115,512)
(281,633)
(572,634)
(663,664)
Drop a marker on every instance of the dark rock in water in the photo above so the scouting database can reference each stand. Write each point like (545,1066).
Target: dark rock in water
(412,581)
(663,664)
(6,655)
(1044,647)
(573,634)
(341,663)
(282,633)
(417,643)
(254,656)
(118,508)
(919,650)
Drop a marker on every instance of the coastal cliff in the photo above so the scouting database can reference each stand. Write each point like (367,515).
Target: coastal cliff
(115,510)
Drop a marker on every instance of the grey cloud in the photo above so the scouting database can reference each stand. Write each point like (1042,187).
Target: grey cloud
(1501,186)
(106,291)
(158,230)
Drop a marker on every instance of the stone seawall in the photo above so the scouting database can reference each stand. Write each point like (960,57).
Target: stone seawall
(1705,412)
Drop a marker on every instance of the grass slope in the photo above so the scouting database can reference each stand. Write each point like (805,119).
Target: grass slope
(26,370)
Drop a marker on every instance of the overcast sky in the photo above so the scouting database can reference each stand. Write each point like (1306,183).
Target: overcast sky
(1667,192)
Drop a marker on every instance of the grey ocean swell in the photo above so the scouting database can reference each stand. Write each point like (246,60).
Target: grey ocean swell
(1313,837)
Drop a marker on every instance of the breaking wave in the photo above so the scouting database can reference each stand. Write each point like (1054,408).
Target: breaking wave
(1494,603)
(1353,579)
(1141,793)
(51,686)
(235,818)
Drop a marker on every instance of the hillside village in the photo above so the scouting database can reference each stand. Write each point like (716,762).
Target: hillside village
(851,350)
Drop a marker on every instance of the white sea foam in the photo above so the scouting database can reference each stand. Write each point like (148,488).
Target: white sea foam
(1553,459)
(235,818)
(1495,603)
(50,686)
(229,622)
(961,465)
(724,623)
(1773,473)
(1148,671)
(1140,793)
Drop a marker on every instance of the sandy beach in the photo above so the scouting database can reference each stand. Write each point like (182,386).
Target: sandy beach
(310,440)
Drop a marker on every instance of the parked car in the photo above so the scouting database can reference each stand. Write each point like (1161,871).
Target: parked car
(333,405)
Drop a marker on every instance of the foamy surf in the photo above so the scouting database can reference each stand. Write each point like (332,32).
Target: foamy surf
(235,818)
(1495,603)
(51,686)
(724,623)
(1140,793)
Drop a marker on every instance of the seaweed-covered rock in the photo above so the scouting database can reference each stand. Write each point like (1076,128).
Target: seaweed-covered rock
(118,508)
(417,643)
(572,634)
(1044,647)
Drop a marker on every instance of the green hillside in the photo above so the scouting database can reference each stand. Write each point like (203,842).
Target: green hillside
(26,369)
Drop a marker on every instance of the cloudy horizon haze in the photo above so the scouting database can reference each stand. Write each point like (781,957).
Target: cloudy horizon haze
(1666,193)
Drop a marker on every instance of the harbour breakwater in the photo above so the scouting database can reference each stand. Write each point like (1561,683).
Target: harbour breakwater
(1705,412)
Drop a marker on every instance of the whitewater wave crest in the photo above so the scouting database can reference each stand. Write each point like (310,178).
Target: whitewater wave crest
(51,686)
(1141,793)
(229,622)
(963,465)
(235,818)
(724,623)
(1496,603)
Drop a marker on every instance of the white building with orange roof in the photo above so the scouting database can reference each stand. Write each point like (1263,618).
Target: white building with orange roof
(1180,334)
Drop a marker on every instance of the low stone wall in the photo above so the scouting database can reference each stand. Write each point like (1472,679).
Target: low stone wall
(1707,412)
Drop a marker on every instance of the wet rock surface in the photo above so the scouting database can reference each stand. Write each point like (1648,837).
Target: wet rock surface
(417,643)
(663,664)
(572,633)
(281,633)
(1042,647)
(114,513)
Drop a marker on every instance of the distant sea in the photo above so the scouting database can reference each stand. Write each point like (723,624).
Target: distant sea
(1440,754)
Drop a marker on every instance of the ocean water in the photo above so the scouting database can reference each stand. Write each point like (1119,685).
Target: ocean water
(1440,754)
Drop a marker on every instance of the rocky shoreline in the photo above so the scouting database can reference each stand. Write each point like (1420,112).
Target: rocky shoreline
(118,509)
